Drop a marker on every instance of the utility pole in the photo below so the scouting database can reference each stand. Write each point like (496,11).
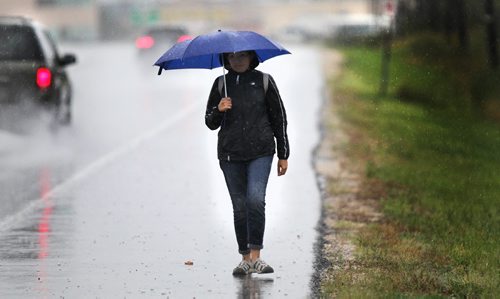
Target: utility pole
(387,48)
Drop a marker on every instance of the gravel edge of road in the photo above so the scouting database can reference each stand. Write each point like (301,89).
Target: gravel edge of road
(344,209)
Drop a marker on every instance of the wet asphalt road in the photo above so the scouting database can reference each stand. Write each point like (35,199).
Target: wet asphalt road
(114,205)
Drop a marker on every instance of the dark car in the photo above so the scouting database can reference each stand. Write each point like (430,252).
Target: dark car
(32,72)
(159,38)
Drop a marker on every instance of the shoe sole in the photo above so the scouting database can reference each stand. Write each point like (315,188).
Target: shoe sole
(240,272)
(264,271)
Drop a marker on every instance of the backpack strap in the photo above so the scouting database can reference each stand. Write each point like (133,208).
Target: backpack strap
(265,78)
(221,84)
(265,81)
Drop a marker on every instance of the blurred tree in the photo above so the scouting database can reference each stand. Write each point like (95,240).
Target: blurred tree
(491,33)
(449,16)
(428,14)
(460,24)
(463,31)
(449,20)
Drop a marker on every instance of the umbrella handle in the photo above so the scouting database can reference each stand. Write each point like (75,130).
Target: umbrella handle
(225,87)
(224,74)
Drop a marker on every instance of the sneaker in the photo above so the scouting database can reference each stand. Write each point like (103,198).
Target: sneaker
(243,268)
(261,267)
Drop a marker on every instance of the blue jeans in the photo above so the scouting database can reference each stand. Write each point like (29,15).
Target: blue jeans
(247,183)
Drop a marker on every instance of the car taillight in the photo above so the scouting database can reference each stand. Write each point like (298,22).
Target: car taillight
(144,42)
(43,77)
(184,37)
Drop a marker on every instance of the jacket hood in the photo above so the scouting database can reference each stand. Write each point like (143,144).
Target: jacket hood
(253,64)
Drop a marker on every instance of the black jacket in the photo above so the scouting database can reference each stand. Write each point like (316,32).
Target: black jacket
(247,131)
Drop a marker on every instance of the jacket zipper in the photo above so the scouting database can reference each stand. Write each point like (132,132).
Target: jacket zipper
(237,82)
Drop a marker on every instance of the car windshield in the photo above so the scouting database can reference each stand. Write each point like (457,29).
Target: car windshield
(18,43)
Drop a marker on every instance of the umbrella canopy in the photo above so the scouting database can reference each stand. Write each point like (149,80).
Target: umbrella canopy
(204,51)
(174,59)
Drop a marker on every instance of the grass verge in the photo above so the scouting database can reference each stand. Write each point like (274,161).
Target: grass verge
(439,166)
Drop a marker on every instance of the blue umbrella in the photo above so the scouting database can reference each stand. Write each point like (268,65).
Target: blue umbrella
(174,59)
(204,51)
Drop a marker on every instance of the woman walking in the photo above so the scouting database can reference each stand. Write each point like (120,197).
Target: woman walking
(250,121)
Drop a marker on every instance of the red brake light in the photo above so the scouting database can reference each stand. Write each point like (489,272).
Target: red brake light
(184,37)
(43,77)
(144,42)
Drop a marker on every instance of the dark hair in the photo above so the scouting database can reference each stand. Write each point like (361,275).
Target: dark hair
(253,64)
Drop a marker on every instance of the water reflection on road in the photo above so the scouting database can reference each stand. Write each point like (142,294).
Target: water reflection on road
(252,287)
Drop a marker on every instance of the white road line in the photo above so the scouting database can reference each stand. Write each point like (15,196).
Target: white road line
(95,166)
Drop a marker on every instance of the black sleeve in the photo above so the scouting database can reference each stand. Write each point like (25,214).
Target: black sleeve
(213,117)
(277,116)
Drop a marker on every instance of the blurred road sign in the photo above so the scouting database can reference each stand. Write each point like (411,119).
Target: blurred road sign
(144,17)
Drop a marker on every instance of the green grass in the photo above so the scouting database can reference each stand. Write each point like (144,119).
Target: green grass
(440,165)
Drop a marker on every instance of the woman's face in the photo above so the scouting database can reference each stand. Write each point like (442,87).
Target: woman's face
(239,61)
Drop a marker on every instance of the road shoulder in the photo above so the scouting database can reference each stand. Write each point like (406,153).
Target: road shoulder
(345,208)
